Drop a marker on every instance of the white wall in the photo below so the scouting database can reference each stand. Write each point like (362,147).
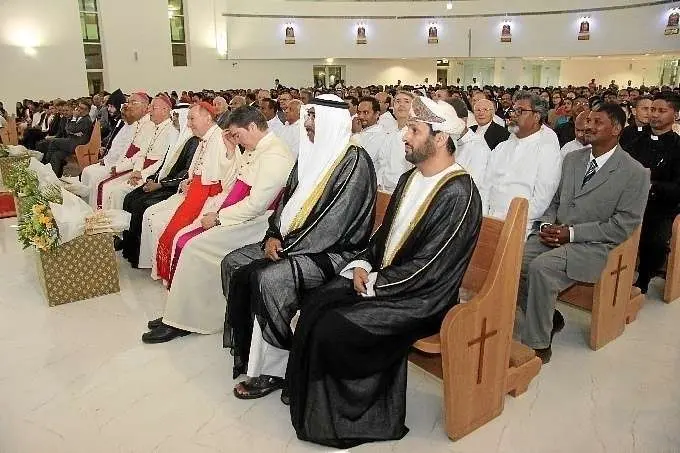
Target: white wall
(626,31)
(52,28)
(579,71)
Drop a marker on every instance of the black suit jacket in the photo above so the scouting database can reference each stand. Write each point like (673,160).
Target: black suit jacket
(79,130)
(494,135)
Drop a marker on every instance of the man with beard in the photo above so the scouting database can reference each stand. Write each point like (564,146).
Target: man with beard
(368,133)
(525,165)
(324,218)
(348,365)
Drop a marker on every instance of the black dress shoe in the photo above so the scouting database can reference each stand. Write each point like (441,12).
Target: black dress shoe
(544,354)
(162,334)
(257,387)
(118,244)
(558,324)
(155,324)
(285,396)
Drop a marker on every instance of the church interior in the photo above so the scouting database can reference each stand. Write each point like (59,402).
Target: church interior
(339,225)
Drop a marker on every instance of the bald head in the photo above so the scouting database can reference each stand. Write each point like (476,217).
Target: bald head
(200,120)
(483,110)
(384,100)
(292,111)
(580,127)
(220,105)
(136,107)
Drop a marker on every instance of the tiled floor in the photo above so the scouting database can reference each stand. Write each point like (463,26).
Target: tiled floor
(76,378)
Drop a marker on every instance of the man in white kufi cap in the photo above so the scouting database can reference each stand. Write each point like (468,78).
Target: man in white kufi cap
(347,367)
(325,217)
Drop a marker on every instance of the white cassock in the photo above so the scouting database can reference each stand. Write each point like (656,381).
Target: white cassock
(391,162)
(528,167)
(275,125)
(388,122)
(573,145)
(163,140)
(144,130)
(472,153)
(211,163)
(94,174)
(290,134)
(373,139)
(196,302)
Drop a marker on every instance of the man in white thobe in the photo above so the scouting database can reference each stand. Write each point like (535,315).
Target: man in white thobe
(526,165)
(472,151)
(263,169)
(391,162)
(290,133)
(163,139)
(213,172)
(135,111)
(367,132)
(580,130)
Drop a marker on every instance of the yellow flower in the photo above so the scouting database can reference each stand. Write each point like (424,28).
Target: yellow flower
(38,208)
(45,220)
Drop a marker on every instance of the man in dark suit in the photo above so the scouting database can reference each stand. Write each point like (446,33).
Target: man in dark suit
(659,150)
(76,132)
(599,202)
(493,132)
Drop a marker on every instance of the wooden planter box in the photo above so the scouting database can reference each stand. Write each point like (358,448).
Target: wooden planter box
(80,269)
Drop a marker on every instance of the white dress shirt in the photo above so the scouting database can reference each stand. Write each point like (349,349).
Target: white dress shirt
(472,153)
(275,125)
(391,162)
(372,139)
(388,122)
(528,167)
(573,145)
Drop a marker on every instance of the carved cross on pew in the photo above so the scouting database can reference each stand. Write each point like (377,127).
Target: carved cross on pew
(484,335)
(617,272)
(90,152)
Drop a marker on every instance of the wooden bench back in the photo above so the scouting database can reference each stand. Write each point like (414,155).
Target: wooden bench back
(88,153)
(12,132)
(380,208)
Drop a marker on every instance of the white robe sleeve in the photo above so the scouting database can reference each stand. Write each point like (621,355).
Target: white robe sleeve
(391,162)
(160,149)
(547,180)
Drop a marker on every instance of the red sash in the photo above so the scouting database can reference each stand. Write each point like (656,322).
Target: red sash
(100,188)
(131,151)
(149,162)
(186,213)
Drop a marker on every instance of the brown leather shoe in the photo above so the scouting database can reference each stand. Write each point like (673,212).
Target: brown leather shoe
(544,354)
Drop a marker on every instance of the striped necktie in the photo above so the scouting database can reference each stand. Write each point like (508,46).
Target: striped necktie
(590,172)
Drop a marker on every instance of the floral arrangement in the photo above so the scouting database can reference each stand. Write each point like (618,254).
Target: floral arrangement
(22,181)
(38,229)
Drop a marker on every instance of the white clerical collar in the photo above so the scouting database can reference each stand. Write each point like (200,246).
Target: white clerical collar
(481,130)
(264,141)
(603,158)
(468,137)
(654,137)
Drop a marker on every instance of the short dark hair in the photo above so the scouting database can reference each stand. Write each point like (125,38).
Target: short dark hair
(670,97)
(375,105)
(642,98)
(352,100)
(613,111)
(459,106)
(272,103)
(450,144)
(244,115)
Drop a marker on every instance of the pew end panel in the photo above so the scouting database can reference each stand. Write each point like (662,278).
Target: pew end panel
(88,153)
(613,301)
(672,288)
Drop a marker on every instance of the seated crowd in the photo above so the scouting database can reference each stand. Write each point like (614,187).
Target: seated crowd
(255,208)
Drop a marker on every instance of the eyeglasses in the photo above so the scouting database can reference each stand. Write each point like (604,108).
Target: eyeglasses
(519,111)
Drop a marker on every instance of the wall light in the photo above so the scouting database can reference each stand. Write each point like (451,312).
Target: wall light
(30,51)
(221,44)
(329,60)
(449,5)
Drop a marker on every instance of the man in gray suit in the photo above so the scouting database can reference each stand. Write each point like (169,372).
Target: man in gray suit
(600,201)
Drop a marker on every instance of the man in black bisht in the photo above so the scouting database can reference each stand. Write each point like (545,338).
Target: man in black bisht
(158,187)
(325,217)
(348,366)
(660,152)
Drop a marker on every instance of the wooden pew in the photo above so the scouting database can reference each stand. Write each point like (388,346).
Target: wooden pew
(474,352)
(613,300)
(380,207)
(88,153)
(12,132)
(672,288)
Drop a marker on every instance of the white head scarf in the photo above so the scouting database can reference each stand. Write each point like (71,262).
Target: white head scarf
(332,131)
(438,114)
